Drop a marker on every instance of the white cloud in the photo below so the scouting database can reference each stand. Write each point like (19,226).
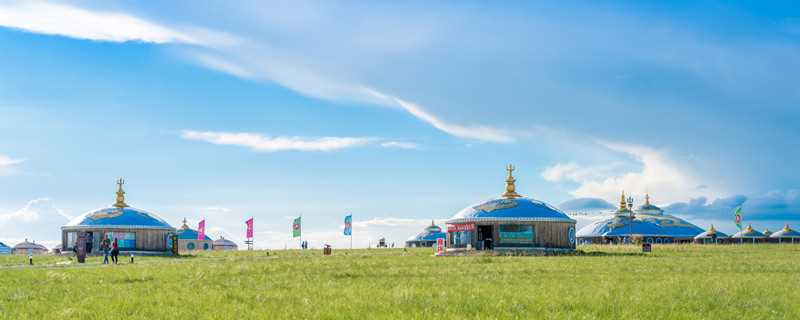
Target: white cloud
(7,164)
(261,143)
(38,220)
(665,180)
(73,22)
(399,145)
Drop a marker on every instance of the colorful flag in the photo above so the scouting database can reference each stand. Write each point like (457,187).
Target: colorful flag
(348,225)
(201,230)
(249,224)
(738,217)
(296,227)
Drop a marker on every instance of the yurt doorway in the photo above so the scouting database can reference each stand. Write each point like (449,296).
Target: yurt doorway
(485,240)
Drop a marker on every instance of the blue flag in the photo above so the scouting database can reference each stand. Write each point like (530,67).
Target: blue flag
(348,225)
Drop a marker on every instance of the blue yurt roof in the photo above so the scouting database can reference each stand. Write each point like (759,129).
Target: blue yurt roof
(749,232)
(431,233)
(521,209)
(640,225)
(786,232)
(710,233)
(4,249)
(187,233)
(115,217)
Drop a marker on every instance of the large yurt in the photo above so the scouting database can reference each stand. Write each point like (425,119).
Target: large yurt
(785,235)
(511,222)
(27,247)
(134,229)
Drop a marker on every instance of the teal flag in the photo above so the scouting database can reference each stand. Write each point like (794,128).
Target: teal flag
(296,227)
(738,217)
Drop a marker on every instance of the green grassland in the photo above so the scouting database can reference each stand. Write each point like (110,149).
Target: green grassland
(602,282)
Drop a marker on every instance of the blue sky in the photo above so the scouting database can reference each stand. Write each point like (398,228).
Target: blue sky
(396,112)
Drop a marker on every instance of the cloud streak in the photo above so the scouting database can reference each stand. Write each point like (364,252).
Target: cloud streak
(8,164)
(261,143)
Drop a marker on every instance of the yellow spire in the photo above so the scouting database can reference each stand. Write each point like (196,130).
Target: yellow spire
(511,192)
(622,204)
(786,228)
(185,225)
(120,195)
(748,229)
(712,229)
(647,199)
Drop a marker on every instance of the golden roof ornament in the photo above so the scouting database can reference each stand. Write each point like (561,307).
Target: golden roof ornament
(622,204)
(120,195)
(786,228)
(748,229)
(712,230)
(185,225)
(511,192)
(647,199)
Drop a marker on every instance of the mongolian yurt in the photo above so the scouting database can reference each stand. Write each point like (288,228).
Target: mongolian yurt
(711,236)
(4,249)
(646,224)
(188,240)
(426,238)
(748,235)
(511,222)
(785,235)
(29,247)
(134,229)
(225,244)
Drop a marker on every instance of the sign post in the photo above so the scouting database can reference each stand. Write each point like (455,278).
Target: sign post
(174,238)
(439,246)
(646,247)
(80,246)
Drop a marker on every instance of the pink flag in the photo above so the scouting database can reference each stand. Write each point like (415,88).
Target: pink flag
(201,230)
(249,224)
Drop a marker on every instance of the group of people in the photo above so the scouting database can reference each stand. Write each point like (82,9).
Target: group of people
(112,248)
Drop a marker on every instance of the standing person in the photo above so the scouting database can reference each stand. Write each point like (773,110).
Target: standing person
(115,251)
(106,247)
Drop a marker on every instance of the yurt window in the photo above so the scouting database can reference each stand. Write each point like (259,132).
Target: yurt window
(516,233)
(72,238)
(190,246)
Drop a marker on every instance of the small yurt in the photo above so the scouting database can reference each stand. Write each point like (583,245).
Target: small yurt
(225,244)
(711,236)
(4,249)
(29,247)
(187,240)
(749,235)
(426,238)
(785,235)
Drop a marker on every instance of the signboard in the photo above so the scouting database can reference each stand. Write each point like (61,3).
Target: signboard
(516,233)
(174,238)
(646,247)
(571,236)
(460,227)
(80,246)
(439,246)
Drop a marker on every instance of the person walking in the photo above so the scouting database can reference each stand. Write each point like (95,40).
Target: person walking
(106,247)
(115,251)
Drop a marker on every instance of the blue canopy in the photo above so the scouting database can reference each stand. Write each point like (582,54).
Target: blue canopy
(522,209)
(115,217)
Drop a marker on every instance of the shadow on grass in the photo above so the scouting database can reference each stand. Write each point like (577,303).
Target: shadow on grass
(609,254)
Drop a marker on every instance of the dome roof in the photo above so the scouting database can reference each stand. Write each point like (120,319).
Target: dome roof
(522,209)
(749,232)
(786,232)
(710,233)
(22,246)
(120,215)
(186,233)
(4,249)
(640,225)
(431,233)
(115,217)
(222,242)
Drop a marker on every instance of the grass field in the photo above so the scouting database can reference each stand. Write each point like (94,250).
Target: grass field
(673,282)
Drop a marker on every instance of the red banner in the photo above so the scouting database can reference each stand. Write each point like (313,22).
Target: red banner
(249,224)
(440,246)
(460,227)
(201,230)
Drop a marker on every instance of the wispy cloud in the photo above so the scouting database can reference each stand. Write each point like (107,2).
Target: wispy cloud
(74,22)
(399,145)
(260,143)
(8,164)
